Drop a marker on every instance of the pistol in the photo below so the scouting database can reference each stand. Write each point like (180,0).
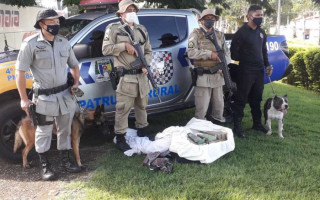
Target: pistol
(32,114)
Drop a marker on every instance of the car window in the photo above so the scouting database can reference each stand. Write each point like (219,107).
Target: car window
(72,26)
(92,36)
(95,38)
(165,31)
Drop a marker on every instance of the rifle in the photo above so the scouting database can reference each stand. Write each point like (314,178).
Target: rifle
(141,61)
(230,85)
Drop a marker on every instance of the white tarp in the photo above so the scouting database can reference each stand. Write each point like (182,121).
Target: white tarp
(175,139)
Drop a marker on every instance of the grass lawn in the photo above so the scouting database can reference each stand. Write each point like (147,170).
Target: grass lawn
(261,167)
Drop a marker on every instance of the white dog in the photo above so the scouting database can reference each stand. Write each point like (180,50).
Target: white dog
(275,108)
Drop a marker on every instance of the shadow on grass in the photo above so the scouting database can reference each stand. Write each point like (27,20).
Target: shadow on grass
(261,167)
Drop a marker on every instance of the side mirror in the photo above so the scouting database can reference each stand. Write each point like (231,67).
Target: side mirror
(82,51)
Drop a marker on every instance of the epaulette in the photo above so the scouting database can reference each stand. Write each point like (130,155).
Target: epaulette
(61,37)
(27,39)
(115,24)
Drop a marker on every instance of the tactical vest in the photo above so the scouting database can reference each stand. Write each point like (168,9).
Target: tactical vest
(204,43)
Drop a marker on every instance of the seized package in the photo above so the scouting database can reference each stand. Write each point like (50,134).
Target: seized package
(205,153)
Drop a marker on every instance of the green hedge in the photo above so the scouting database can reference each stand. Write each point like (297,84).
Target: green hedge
(294,50)
(306,68)
(312,62)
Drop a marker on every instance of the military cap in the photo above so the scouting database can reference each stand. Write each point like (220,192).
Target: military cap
(47,14)
(208,11)
(123,5)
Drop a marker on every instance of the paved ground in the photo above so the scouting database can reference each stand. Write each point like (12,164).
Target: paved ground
(19,183)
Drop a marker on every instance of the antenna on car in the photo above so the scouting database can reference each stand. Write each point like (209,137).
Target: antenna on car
(6,46)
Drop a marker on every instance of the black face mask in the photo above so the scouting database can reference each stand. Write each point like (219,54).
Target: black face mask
(53,29)
(208,23)
(257,21)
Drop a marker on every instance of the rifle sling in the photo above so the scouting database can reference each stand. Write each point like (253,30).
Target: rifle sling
(129,31)
(215,43)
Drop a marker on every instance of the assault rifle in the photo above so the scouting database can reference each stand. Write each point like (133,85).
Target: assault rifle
(230,85)
(141,60)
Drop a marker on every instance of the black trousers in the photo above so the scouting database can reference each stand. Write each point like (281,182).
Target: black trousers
(250,85)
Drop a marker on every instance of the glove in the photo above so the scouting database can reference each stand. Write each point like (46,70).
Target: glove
(269,70)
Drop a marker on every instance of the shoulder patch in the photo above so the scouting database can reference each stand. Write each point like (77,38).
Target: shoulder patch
(190,44)
(261,35)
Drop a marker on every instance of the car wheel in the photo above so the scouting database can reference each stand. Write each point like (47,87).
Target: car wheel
(10,116)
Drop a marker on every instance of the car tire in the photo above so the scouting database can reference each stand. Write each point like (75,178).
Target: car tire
(10,116)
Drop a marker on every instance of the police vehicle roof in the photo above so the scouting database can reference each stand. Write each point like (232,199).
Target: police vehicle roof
(97,14)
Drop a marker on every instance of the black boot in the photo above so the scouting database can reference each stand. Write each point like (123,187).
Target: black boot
(121,143)
(256,117)
(66,164)
(46,171)
(260,127)
(142,132)
(237,128)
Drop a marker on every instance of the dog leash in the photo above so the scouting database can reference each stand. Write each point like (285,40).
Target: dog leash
(272,86)
(82,109)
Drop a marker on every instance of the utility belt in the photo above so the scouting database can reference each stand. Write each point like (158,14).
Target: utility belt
(121,71)
(116,73)
(55,90)
(199,71)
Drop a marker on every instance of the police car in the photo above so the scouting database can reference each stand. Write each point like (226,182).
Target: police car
(168,31)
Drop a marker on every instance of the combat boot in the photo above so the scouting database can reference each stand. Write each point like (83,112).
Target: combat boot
(66,164)
(142,132)
(237,128)
(46,171)
(121,143)
(256,117)
(260,127)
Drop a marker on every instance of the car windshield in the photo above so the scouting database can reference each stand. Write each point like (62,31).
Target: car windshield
(72,26)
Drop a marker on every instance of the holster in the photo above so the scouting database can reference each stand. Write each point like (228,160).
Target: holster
(194,76)
(114,78)
(42,120)
(33,114)
(70,79)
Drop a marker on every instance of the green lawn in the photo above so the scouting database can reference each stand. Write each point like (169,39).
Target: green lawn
(261,167)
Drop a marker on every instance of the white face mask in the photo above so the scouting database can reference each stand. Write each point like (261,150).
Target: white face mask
(131,17)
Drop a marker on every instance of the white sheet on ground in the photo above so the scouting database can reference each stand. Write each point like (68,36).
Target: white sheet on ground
(206,153)
(175,139)
(144,145)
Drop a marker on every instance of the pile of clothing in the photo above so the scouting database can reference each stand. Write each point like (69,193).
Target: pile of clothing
(199,140)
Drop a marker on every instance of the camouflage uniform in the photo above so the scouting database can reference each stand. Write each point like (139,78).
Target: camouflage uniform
(132,89)
(208,85)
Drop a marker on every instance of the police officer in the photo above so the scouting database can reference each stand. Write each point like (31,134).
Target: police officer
(209,82)
(47,54)
(249,48)
(133,86)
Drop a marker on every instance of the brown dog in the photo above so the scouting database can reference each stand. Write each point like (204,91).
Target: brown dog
(26,132)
